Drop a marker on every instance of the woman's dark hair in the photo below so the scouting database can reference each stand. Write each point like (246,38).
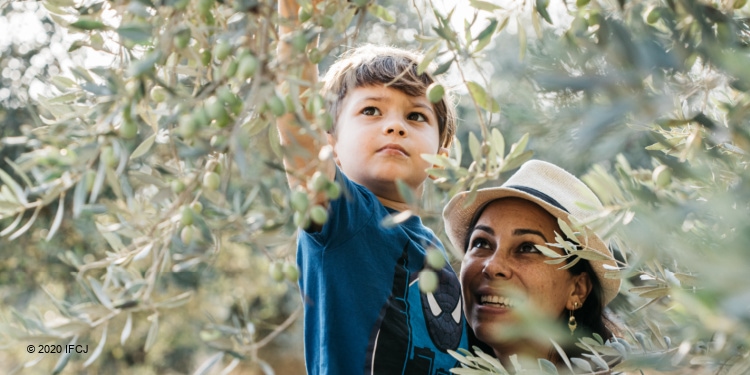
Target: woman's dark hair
(590,317)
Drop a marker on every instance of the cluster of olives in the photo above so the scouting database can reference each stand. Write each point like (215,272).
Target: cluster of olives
(218,110)
(283,270)
(304,213)
(189,232)
(211,181)
(428,277)
(316,106)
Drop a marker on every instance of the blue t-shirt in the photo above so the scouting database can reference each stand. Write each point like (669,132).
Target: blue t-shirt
(364,312)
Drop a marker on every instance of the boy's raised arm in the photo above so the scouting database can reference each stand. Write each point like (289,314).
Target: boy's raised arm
(301,156)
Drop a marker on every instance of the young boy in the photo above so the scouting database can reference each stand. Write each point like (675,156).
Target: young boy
(364,312)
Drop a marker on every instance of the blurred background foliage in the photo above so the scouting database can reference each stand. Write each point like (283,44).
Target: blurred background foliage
(144,211)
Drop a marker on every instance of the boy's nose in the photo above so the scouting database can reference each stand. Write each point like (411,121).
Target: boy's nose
(395,127)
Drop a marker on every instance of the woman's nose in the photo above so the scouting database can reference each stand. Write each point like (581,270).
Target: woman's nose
(497,266)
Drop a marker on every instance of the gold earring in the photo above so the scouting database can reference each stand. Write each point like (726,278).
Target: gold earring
(572,324)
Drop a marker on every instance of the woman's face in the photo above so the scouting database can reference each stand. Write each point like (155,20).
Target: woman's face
(502,269)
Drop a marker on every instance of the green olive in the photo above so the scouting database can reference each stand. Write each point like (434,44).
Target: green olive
(223,120)
(128,130)
(428,281)
(131,86)
(276,106)
(662,176)
(200,116)
(231,68)
(291,272)
(435,92)
(186,215)
(333,191)
(227,96)
(314,55)
(177,186)
(187,233)
(247,67)
(215,108)
(205,57)
(319,182)
(158,94)
(299,42)
(318,214)
(211,181)
(435,259)
(276,270)
(108,157)
(188,126)
(204,7)
(197,207)
(222,50)
(299,201)
(301,220)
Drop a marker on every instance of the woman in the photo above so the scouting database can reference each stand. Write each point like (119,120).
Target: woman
(504,274)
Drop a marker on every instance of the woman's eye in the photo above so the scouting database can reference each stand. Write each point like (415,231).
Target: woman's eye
(371,111)
(416,116)
(480,243)
(527,247)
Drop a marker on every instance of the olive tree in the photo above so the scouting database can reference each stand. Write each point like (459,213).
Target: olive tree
(149,212)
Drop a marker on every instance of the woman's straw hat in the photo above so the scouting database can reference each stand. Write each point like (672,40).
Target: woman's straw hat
(554,189)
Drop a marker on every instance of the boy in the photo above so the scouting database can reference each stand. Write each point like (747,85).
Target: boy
(364,312)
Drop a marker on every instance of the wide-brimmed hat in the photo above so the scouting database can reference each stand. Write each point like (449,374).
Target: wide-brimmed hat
(552,188)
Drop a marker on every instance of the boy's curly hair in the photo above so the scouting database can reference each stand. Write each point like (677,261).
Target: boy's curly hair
(371,65)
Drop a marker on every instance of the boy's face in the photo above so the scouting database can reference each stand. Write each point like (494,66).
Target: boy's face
(381,133)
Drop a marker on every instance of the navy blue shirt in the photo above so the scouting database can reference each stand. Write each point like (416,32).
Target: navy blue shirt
(364,312)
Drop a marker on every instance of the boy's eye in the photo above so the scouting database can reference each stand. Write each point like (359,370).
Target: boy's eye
(527,247)
(371,111)
(416,116)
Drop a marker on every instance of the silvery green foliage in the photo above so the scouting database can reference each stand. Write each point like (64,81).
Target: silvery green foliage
(150,195)
(154,180)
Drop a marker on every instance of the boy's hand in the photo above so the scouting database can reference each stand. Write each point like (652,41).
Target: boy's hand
(301,147)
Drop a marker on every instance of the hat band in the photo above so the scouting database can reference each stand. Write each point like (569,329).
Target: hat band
(539,195)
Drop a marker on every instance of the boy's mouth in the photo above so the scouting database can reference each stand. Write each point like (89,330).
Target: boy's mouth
(392,147)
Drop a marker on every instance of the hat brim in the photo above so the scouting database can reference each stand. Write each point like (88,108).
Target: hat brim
(458,215)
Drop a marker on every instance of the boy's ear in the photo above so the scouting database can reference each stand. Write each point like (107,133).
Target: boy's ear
(332,141)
